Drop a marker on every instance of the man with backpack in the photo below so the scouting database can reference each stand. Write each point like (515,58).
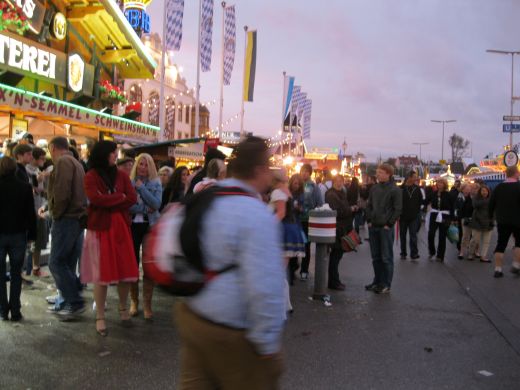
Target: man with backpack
(231,330)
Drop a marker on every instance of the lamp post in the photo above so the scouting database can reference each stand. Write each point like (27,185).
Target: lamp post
(443,123)
(512,54)
(420,149)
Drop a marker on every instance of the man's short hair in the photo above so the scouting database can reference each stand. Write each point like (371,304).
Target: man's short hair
(387,168)
(411,174)
(306,167)
(21,149)
(249,154)
(38,152)
(60,143)
(511,171)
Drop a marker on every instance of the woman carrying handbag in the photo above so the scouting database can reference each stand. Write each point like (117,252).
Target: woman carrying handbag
(337,200)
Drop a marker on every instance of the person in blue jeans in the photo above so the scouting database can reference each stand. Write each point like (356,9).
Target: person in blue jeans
(67,206)
(18,225)
(384,207)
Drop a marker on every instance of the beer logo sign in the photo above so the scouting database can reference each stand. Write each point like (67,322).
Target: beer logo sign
(76,72)
(59,26)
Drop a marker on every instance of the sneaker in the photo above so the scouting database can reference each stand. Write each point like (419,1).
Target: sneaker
(414,258)
(515,270)
(382,290)
(371,287)
(337,287)
(431,257)
(403,257)
(438,259)
(51,299)
(304,276)
(39,273)
(68,313)
(460,257)
(498,274)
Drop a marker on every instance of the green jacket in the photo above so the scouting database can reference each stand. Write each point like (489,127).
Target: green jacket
(385,203)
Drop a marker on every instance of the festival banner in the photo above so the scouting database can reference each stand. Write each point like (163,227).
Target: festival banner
(229,43)
(250,67)
(175,15)
(206,31)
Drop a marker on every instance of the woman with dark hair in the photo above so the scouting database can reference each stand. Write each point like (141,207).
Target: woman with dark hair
(440,217)
(108,252)
(18,225)
(481,224)
(176,188)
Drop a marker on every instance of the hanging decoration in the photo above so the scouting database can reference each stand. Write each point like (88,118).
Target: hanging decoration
(12,18)
(112,93)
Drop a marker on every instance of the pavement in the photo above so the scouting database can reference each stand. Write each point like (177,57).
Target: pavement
(444,326)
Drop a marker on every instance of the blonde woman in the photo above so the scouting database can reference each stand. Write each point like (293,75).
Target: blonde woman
(144,214)
(441,215)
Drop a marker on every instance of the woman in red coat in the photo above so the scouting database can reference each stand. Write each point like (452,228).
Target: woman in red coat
(108,252)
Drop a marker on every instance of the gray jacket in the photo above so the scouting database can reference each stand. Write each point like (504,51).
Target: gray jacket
(385,203)
(481,219)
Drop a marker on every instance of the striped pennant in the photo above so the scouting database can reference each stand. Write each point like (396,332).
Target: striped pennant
(307,119)
(230,37)
(206,33)
(174,15)
(250,67)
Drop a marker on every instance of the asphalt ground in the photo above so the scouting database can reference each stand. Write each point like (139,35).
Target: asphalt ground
(444,326)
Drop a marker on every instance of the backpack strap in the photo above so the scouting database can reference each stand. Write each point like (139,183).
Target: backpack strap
(196,205)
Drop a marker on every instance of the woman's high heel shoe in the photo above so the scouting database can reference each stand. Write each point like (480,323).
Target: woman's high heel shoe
(101,331)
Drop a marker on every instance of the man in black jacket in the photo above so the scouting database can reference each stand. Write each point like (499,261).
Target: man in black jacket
(411,215)
(23,156)
(385,203)
(505,206)
(18,225)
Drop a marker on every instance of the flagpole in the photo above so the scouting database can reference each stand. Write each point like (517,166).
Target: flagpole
(242,135)
(197,88)
(222,71)
(283,114)
(162,108)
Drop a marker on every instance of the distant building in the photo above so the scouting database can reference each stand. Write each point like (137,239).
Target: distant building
(407,162)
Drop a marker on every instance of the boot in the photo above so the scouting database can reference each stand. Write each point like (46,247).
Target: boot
(147,299)
(134,299)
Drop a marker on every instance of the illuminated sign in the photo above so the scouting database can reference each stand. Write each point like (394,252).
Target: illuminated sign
(23,56)
(33,10)
(138,19)
(59,26)
(15,99)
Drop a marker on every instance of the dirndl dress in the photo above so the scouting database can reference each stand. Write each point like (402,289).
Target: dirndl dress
(108,255)
(293,240)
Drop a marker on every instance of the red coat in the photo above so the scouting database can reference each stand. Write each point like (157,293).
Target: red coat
(102,203)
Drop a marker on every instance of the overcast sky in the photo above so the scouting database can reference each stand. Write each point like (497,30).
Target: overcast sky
(377,70)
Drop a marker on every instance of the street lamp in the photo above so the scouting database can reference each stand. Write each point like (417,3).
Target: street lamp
(443,123)
(512,54)
(420,149)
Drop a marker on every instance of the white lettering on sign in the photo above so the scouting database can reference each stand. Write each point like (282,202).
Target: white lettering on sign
(27,6)
(18,55)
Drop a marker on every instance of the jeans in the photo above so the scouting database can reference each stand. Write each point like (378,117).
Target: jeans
(412,227)
(443,231)
(307,259)
(14,246)
(335,257)
(66,246)
(359,219)
(382,251)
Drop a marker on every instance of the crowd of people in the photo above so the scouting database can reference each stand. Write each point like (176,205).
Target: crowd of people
(99,209)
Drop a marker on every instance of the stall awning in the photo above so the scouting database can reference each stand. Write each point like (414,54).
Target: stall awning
(115,39)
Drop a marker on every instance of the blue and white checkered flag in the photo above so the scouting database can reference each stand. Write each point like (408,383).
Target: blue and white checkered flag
(307,119)
(301,106)
(206,33)
(230,37)
(174,15)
